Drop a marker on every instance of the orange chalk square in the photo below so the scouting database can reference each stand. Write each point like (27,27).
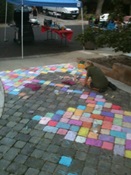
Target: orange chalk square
(90,105)
(92,135)
(97,116)
(87,124)
(78,112)
(89,109)
(107,145)
(106,125)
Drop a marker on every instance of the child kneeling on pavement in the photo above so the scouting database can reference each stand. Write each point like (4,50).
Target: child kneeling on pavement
(95,78)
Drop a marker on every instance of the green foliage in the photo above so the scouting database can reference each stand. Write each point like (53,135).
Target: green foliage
(10,11)
(119,40)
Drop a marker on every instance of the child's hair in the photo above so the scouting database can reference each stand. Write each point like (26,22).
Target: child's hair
(89,63)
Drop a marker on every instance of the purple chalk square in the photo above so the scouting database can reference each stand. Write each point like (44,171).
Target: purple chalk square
(107,138)
(127,119)
(81,107)
(64,89)
(127,130)
(128,144)
(56,117)
(71,135)
(119,150)
(108,114)
(94,142)
(92,94)
(65,161)
(37,117)
(117,111)
(75,122)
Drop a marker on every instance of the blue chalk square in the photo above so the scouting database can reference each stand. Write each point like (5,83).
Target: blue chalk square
(100,103)
(63,125)
(14,93)
(72,174)
(60,112)
(78,91)
(74,128)
(37,117)
(65,161)
(81,107)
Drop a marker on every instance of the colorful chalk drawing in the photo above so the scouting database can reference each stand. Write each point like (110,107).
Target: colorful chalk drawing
(98,123)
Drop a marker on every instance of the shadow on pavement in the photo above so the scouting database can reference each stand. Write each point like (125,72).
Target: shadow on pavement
(10,49)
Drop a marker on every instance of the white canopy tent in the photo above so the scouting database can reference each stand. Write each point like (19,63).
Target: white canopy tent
(48,3)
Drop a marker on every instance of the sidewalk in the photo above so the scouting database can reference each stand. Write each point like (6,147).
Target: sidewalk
(72,132)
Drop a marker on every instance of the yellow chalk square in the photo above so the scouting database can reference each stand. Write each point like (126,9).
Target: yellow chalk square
(47,82)
(118,116)
(128,154)
(78,112)
(71,109)
(127,113)
(83,131)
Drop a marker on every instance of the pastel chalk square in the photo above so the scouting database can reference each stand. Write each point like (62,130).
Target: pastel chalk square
(47,82)
(128,144)
(71,109)
(67,114)
(118,116)
(109,119)
(52,123)
(91,105)
(81,107)
(60,112)
(84,96)
(65,120)
(107,145)
(84,119)
(128,154)
(50,129)
(90,101)
(71,135)
(56,117)
(117,121)
(99,96)
(106,125)
(85,114)
(48,114)
(119,141)
(78,112)
(89,109)
(75,122)
(128,113)
(80,139)
(100,103)
(128,136)
(118,134)
(107,138)
(116,107)
(63,125)
(126,124)
(116,128)
(37,117)
(98,122)
(93,135)
(94,142)
(78,91)
(127,119)
(83,132)
(74,128)
(126,130)
(97,116)
(62,131)
(98,107)
(108,105)
(117,111)
(100,99)
(44,120)
(119,150)
(87,124)
(96,112)
(66,161)
(105,131)
(75,117)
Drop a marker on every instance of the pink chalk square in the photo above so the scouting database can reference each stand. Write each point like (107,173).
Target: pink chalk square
(80,139)
(128,136)
(116,107)
(44,120)
(84,96)
(100,99)
(65,120)
(117,111)
(90,101)
(62,131)
(94,142)
(109,119)
(116,128)
(107,145)
(52,123)
(84,119)
(67,114)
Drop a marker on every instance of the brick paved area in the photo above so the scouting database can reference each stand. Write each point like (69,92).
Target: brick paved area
(47,133)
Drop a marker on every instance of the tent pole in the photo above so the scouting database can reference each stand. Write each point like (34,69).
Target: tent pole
(5,33)
(22,50)
(82,23)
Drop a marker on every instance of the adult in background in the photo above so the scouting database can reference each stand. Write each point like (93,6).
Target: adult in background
(34,12)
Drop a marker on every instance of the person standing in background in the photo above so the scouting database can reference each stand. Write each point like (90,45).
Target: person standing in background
(35,12)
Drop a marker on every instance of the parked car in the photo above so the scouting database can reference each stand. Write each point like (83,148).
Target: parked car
(63,12)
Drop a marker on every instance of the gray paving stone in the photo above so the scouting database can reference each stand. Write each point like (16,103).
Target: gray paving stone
(4,172)
(32,171)
(27,149)
(15,168)
(54,158)
(4,164)
(35,140)
(49,135)
(37,153)
(4,131)
(22,137)
(11,124)
(53,148)
(76,166)
(80,155)
(89,171)
(91,160)
(4,148)
(21,158)
(127,163)
(49,167)
(11,153)
(44,173)
(7,141)
(12,134)
(61,170)
(104,167)
(19,144)
(34,163)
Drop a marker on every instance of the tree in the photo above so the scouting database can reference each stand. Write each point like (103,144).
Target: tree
(99,7)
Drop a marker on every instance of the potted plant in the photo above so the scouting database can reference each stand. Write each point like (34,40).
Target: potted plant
(88,38)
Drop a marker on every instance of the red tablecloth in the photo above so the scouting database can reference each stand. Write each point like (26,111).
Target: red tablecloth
(67,34)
